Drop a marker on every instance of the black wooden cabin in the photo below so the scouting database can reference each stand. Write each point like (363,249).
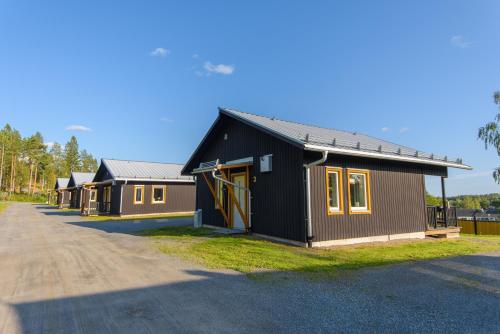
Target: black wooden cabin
(310,185)
(75,187)
(129,188)
(63,194)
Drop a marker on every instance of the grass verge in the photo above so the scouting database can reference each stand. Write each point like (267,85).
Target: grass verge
(3,206)
(248,254)
(39,198)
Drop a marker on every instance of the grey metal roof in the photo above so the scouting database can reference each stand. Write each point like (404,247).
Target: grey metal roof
(143,170)
(61,182)
(342,142)
(80,178)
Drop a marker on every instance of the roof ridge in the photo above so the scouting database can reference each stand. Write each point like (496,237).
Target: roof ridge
(292,122)
(355,133)
(152,162)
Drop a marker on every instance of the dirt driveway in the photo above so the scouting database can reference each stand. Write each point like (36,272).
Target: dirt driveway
(61,275)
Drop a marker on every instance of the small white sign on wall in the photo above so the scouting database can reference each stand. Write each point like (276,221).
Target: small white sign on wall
(266,163)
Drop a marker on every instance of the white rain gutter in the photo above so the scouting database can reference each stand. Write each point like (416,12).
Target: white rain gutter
(336,150)
(110,181)
(238,186)
(308,194)
(121,195)
(152,180)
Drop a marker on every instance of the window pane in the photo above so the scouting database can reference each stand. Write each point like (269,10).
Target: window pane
(138,194)
(332,190)
(158,194)
(357,184)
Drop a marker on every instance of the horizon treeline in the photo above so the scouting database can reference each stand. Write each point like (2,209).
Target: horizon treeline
(483,201)
(28,165)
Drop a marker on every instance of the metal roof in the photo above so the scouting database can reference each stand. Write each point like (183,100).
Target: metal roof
(316,138)
(61,182)
(145,171)
(80,178)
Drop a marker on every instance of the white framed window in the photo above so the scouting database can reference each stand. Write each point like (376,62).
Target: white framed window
(93,195)
(138,194)
(158,194)
(334,193)
(359,191)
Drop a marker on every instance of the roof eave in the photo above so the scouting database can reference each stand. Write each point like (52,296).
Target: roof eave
(152,180)
(293,141)
(197,149)
(384,156)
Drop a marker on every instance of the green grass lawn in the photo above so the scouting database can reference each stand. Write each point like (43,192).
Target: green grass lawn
(249,254)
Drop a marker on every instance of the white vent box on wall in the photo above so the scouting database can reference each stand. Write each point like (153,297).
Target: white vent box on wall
(266,163)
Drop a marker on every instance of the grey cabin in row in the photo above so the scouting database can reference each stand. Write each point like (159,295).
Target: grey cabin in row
(125,187)
(75,188)
(313,186)
(62,193)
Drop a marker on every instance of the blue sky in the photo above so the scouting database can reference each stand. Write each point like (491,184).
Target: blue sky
(146,77)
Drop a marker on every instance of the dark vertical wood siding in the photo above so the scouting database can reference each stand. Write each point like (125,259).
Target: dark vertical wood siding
(180,198)
(75,198)
(397,200)
(115,199)
(278,196)
(63,198)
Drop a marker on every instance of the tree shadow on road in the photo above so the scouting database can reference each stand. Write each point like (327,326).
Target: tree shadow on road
(423,297)
(132,226)
(50,210)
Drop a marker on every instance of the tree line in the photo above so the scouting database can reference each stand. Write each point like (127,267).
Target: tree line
(486,201)
(28,165)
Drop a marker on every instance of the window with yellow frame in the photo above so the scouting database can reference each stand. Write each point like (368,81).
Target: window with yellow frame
(359,191)
(138,194)
(158,194)
(334,200)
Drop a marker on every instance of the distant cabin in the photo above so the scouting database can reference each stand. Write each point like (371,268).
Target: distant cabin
(63,195)
(124,187)
(311,185)
(75,187)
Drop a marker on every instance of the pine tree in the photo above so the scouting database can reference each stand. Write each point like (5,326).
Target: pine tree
(71,156)
(88,162)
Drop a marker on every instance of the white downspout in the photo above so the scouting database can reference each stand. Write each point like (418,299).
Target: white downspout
(245,189)
(121,195)
(308,195)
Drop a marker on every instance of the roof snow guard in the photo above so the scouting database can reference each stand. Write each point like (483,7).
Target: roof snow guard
(313,138)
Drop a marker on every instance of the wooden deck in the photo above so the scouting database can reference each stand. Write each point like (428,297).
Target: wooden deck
(448,233)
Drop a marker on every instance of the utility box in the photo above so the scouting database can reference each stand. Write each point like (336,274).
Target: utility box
(197,222)
(266,163)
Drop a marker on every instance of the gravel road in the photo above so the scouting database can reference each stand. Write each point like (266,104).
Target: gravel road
(61,275)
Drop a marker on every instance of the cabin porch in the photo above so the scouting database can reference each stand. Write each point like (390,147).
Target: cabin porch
(442,220)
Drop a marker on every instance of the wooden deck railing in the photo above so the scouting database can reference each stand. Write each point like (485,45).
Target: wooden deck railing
(439,218)
(105,207)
